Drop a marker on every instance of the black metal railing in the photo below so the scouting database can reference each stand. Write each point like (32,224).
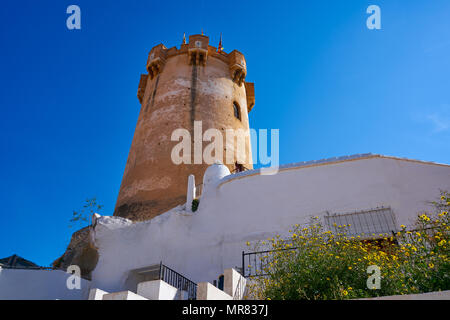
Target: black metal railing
(254,263)
(178,281)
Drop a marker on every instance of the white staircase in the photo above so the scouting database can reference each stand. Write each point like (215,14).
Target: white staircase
(234,289)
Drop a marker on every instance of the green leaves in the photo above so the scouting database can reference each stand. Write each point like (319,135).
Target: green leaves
(318,264)
(82,217)
(195,204)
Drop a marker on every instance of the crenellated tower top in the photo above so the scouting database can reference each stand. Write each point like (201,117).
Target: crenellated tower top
(197,50)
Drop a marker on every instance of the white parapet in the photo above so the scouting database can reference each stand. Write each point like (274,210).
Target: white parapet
(234,284)
(123,295)
(206,291)
(38,284)
(96,294)
(436,295)
(157,290)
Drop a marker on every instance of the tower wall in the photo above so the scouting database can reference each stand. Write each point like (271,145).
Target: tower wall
(184,85)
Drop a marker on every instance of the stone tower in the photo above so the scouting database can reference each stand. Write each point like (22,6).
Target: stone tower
(197,82)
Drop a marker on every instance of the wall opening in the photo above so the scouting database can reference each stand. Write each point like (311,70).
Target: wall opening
(221,282)
(237,110)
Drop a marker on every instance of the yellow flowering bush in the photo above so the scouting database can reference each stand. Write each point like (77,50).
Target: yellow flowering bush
(317,264)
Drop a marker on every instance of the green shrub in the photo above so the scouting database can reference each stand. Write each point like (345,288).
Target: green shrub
(195,204)
(317,264)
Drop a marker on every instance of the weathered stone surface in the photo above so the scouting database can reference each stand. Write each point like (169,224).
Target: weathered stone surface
(140,211)
(80,252)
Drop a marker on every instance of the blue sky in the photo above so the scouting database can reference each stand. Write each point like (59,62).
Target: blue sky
(332,87)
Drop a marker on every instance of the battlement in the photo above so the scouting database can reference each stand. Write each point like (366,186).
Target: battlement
(198,51)
(156,60)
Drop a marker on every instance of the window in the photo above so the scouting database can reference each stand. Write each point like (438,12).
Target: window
(237,110)
(221,280)
(365,222)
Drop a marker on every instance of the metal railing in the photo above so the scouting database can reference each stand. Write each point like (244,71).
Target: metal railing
(254,263)
(178,281)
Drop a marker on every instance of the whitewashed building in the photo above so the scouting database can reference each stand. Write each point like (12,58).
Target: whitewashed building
(375,193)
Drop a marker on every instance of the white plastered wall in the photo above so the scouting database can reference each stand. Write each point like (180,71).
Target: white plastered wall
(249,206)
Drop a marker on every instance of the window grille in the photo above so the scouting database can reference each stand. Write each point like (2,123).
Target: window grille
(363,223)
